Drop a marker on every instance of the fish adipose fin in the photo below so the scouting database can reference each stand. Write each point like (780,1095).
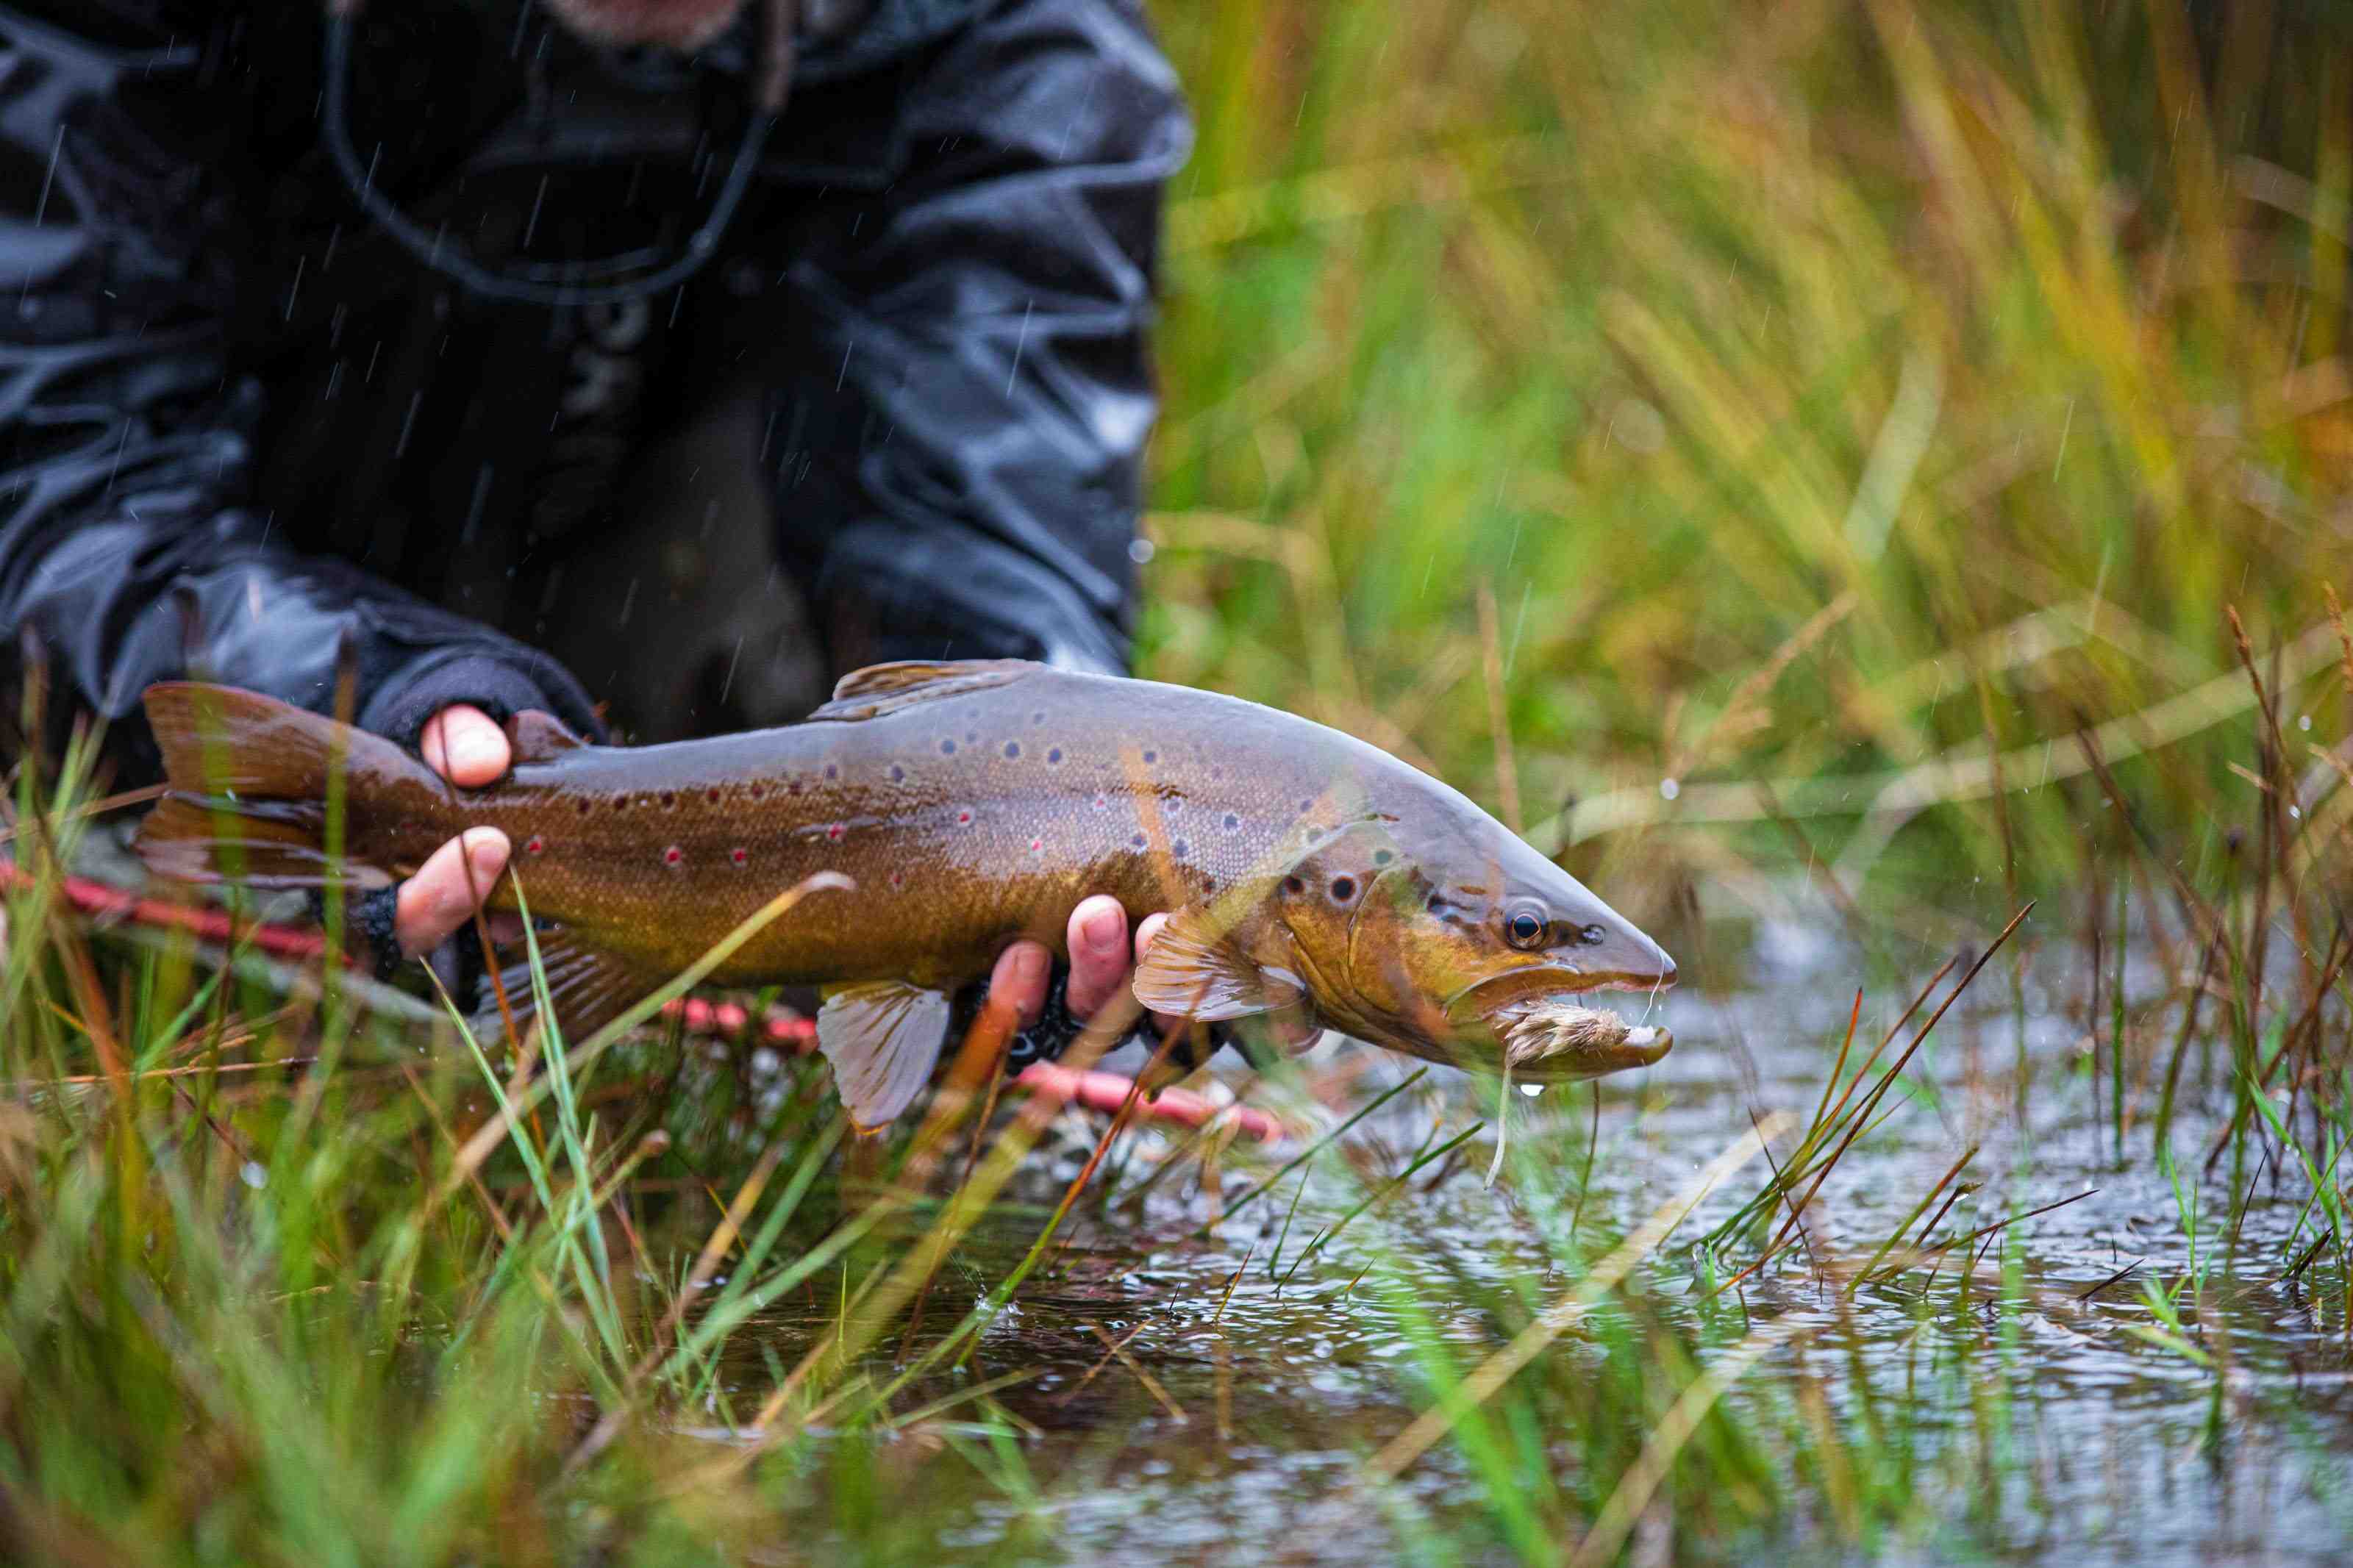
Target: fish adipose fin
(534,736)
(1193,970)
(248,778)
(883,1037)
(588,989)
(881,688)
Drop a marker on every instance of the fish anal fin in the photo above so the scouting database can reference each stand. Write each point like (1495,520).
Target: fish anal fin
(882,1039)
(882,689)
(536,736)
(587,987)
(1195,970)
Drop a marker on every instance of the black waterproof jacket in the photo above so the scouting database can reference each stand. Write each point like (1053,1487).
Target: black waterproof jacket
(245,432)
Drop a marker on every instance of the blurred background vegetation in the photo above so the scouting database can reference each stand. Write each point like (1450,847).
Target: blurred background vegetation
(1819,397)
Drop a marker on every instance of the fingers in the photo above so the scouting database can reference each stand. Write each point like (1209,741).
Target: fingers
(1020,978)
(465,747)
(432,905)
(1099,961)
(1146,931)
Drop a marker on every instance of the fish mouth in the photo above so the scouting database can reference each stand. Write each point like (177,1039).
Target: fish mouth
(1549,1038)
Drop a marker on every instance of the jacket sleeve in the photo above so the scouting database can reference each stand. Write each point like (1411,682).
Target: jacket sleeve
(962,438)
(131,548)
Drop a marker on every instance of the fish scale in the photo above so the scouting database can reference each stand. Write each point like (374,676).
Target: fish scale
(970,803)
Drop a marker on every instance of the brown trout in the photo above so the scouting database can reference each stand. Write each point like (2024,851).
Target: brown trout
(1312,877)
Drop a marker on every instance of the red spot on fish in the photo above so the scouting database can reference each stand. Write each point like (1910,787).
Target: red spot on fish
(673,856)
(739,855)
(898,878)
(834,831)
(534,845)
(758,790)
(1037,843)
(963,817)
(669,799)
(714,795)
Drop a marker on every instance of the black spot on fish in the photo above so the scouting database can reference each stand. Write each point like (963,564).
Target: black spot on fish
(833,770)
(1382,857)
(1054,757)
(948,748)
(1306,805)
(1138,841)
(897,773)
(1039,717)
(1293,885)
(1012,747)
(971,737)
(670,800)
(1182,848)
(1151,757)
(1233,822)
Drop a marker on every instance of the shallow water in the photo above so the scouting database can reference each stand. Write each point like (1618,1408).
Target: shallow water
(2046,1431)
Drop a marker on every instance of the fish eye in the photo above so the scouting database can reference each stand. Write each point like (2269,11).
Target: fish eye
(1342,888)
(1593,935)
(1526,926)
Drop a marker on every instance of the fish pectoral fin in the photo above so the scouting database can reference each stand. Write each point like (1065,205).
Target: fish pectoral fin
(535,736)
(883,1037)
(587,987)
(1193,970)
(882,689)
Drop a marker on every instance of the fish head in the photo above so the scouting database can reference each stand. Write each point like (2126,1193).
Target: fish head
(1472,950)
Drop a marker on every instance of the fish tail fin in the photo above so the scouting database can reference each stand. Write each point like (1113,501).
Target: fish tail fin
(247,779)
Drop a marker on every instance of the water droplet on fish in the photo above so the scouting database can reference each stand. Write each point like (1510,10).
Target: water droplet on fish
(1531,1089)
(1668,789)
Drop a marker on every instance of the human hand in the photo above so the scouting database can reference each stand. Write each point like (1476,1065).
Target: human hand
(461,744)
(1100,961)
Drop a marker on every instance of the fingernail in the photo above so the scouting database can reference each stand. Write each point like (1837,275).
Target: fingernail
(1029,965)
(472,751)
(1101,930)
(1149,931)
(484,853)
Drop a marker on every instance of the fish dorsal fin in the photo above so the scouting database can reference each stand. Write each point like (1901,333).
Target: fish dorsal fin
(883,1037)
(882,689)
(536,736)
(1194,970)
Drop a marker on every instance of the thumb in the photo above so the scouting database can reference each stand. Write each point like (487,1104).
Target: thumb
(432,905)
